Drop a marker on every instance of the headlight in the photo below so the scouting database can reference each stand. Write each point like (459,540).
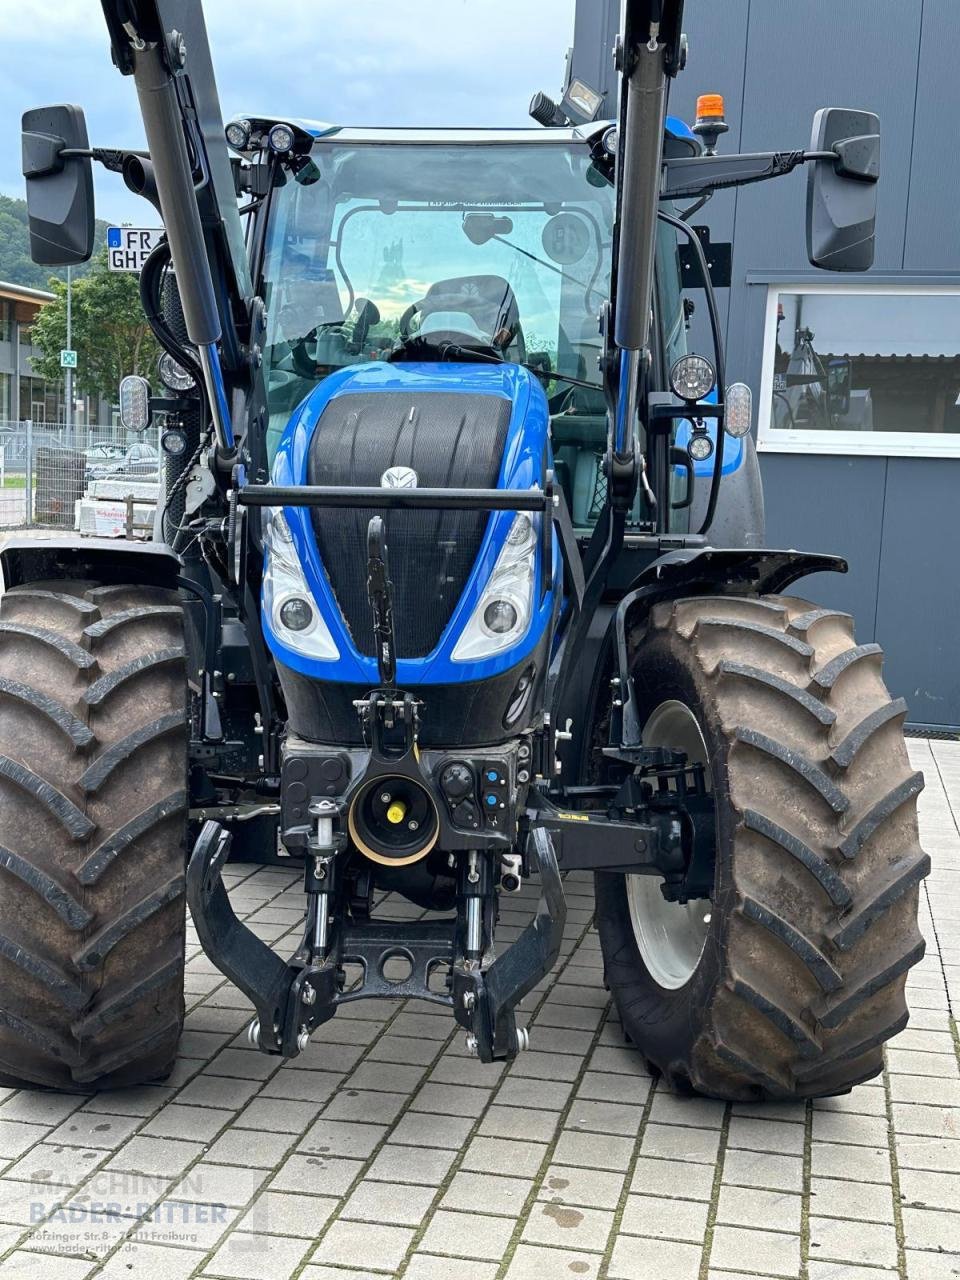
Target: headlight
(288,602)
(693,378)
(173,375)
(502,616)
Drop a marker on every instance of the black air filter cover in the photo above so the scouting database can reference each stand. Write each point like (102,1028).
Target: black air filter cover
(451,440)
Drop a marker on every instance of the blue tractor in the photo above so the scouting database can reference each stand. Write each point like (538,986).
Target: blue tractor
(458,580)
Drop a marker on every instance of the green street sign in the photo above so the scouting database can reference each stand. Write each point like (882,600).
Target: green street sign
(68,359)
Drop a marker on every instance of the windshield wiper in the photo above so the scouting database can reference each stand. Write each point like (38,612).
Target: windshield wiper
(540,261)
(551,376)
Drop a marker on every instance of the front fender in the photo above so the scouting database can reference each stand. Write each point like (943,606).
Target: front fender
(692,571)
(24,560)
(725,571)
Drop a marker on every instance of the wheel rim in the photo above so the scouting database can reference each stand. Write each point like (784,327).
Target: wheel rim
(671,937)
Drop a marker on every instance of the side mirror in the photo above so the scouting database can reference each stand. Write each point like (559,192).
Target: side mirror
(59,186)
(839,386)
(842,191)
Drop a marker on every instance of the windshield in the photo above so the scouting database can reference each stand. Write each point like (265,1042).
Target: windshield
(501,247)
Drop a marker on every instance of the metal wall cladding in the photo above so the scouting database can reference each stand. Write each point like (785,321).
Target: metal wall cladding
(777,62)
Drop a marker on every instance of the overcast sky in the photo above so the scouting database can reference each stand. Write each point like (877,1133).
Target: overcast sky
(402,62)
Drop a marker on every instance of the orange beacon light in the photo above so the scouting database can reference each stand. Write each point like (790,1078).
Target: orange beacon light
(710,122)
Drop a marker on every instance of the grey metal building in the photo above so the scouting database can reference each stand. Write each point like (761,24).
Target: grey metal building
(874,485)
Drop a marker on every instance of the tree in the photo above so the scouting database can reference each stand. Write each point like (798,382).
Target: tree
(16,266)
(110,332)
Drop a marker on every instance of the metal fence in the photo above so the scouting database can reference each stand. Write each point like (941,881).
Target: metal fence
(79,479)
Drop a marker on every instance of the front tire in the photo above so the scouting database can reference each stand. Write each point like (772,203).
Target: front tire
(93,808)
(797,978)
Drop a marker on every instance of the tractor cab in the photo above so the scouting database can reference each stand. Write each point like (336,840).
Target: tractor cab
(454,247)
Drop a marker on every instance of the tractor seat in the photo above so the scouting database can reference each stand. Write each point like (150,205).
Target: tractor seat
(477,311)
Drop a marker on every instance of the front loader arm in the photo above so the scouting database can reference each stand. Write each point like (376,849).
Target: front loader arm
(648,55)
(163,45)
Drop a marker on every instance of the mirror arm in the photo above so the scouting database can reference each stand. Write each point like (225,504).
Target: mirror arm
(698,176)
(111,158)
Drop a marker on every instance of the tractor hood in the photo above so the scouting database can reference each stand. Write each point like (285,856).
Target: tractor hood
(466,426)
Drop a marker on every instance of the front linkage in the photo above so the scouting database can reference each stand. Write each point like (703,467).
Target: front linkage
(489,811)
(658,821)
(448,960)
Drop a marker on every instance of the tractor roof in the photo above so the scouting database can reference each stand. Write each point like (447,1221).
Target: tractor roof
(315,130)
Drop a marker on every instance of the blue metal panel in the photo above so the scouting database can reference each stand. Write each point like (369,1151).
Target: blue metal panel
(526,450)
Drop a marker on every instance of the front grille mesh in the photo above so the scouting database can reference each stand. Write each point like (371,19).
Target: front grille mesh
(451,440)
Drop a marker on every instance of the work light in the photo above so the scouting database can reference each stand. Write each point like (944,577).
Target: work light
(238,134)
(584,99)
(700,446)
(281,138)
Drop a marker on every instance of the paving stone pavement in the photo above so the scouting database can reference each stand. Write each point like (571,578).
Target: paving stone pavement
(385,1151)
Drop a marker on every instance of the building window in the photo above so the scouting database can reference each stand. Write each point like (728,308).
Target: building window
(860,369)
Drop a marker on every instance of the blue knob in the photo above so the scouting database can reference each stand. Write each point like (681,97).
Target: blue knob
(492,776)
(491,801)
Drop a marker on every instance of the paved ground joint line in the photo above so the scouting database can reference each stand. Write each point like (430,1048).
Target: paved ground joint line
(805,1197)
(926,888)
(531,1199)
(895,1179)
(714,1206)
(628,1178)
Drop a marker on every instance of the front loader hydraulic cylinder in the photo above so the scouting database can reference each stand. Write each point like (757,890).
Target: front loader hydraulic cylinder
(641,158)
(163,125)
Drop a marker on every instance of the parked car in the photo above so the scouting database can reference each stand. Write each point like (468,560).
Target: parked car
(103,452)
(139,459)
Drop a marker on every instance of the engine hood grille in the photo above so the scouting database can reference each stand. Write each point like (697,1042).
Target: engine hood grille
(450,440)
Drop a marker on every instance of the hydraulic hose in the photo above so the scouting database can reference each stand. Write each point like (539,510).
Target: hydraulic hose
(714,314)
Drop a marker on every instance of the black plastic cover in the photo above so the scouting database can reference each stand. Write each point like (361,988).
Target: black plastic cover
(450,440)
(59,189)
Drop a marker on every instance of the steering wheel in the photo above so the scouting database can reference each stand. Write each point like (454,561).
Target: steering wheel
(306,364)
(488,301)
